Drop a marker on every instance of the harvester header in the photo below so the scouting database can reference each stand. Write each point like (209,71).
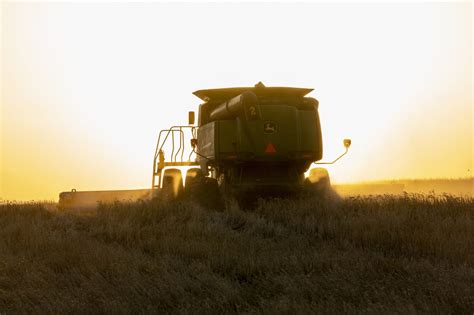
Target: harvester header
(250,142)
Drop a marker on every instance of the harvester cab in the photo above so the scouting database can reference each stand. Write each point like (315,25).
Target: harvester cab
(249,142)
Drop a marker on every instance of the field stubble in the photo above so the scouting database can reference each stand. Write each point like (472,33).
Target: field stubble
(396,254)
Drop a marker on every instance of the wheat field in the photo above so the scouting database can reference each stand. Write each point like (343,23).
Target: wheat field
(374,254)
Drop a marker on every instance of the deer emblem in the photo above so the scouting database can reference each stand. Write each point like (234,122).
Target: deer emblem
(269,127)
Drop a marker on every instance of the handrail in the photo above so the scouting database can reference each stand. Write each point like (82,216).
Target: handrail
(172,147)
(163,137)
(168,131)
(171,131)
(182,141)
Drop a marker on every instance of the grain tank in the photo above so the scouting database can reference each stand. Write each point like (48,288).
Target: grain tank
(259,140)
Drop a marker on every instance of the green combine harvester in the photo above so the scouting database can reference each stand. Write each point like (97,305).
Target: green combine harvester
(249,143)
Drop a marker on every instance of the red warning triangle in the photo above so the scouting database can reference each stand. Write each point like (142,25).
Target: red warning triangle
(270,148)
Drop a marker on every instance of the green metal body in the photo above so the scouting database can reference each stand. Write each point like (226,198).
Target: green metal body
(260,139)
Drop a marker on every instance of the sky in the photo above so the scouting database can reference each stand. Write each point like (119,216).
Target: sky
(86,87)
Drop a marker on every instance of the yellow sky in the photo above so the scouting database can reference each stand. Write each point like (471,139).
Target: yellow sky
(86,87)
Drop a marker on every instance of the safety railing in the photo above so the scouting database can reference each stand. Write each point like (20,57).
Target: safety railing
(175,136)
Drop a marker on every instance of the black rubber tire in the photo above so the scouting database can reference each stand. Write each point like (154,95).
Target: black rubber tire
(318,181)
(172,186)
(205,191)
(193,180)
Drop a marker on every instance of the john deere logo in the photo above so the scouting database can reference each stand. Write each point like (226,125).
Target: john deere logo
(269,127)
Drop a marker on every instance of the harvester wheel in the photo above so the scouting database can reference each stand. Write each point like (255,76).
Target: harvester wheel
(247,202)
(194,178)
(172,187)
(318,181)
(213,199)
(205,191)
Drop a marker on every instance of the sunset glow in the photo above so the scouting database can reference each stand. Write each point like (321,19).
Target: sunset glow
(87,87)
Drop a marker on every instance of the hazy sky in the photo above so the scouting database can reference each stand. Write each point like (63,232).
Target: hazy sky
(86,87)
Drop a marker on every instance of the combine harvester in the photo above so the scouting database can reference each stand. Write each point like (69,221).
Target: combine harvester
(249,143)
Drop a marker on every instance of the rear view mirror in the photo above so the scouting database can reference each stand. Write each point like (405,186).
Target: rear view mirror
(191,118)
(347,143)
